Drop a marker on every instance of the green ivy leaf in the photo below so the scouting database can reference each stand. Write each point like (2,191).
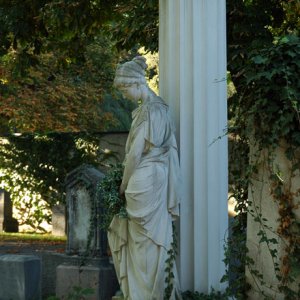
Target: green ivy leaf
(259,59)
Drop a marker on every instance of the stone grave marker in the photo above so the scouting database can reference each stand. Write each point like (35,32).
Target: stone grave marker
(59,220)
(20,277)
(7,222)
(82,207)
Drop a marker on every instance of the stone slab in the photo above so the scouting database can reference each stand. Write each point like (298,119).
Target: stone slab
(81,200)
(20,277)
(7,222)
(100,279)
(59,220)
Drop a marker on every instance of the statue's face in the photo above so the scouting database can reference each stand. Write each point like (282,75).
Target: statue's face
(132,92)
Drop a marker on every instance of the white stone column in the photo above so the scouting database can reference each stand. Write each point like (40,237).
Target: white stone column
(192,51)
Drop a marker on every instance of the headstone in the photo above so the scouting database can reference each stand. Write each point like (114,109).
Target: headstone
(7,222)
(20,277)
(101,280)
(59,220)
(83,232)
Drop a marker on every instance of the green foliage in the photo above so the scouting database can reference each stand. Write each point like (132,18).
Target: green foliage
(121,109)
(135,22)
(236,259)
(34,168)
(109,197)
(265,112)
(58,94)
(170,263)
(32,237)
(214,295)
(270,104)
(253,25)
(32,27)
(77,293)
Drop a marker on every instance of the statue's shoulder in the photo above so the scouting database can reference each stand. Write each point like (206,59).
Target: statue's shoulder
(160,101)
(158,105)
(140,115)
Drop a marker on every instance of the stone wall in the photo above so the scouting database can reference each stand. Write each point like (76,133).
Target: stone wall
(262,205)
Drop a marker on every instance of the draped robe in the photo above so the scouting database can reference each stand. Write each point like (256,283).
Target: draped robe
(140,243)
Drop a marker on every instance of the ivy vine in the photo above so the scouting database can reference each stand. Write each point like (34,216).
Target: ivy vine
(265,116)
(170,263)
(109,198)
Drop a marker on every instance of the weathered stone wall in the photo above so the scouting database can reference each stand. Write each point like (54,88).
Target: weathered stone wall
(262,204)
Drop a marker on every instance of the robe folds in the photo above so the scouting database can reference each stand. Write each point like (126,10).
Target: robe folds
(139,243)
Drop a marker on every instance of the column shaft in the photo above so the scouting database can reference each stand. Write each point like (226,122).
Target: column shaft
(192,50)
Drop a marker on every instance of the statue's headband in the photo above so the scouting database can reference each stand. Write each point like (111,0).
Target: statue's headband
(135,68)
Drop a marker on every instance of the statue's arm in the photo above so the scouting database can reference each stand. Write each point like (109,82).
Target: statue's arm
(133,159)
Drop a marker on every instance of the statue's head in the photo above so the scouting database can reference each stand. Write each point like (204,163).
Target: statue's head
(131,72)
(130,76)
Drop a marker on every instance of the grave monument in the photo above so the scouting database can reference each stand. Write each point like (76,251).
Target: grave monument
(86,243)
(7,222)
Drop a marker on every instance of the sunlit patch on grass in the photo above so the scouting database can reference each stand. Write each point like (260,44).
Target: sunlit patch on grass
(5,236)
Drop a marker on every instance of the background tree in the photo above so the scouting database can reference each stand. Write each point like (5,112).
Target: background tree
(56,71)
(57,59)
(56,65)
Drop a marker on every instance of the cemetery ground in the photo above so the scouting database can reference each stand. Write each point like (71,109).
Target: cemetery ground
(60,275)
(41,246)
(30,243)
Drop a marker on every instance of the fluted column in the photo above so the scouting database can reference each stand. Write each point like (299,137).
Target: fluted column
(192,51)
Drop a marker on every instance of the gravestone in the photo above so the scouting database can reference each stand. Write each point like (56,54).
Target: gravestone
(59,220)
(85,237)
(7,222)
(83,232)
(20,277)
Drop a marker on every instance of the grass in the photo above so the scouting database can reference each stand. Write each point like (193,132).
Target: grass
(30,237)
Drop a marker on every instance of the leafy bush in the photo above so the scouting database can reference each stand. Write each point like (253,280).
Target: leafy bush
(214,295)
(108,193)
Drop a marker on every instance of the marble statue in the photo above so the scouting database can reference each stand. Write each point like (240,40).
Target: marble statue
(139,243)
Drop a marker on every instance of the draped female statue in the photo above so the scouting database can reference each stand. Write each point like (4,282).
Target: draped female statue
(140,243)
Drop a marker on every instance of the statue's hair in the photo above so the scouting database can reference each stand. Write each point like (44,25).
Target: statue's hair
(131,72)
